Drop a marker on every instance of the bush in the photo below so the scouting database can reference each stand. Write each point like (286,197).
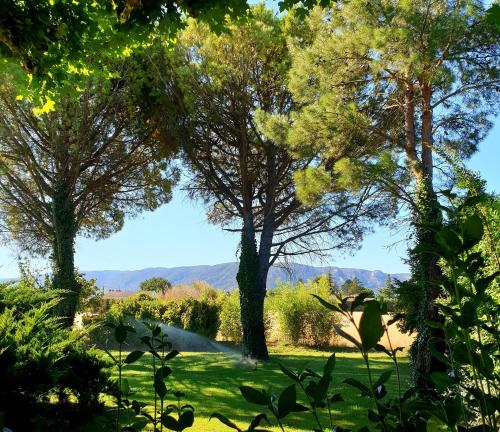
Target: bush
(198,316)
(230,321)
(42,362)
(23,295)
(300,317)
(139,306)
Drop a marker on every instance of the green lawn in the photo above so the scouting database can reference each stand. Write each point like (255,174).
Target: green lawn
(211,380)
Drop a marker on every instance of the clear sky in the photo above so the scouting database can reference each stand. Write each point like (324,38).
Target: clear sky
(177,234)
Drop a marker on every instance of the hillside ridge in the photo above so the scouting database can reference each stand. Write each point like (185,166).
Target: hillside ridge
(223,275)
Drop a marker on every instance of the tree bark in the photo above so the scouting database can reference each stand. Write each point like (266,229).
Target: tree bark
(251,297)
(429,270)
(63,254)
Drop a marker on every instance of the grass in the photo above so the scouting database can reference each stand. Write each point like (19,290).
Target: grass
(211,380)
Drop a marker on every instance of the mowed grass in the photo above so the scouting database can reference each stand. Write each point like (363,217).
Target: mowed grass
(211,383)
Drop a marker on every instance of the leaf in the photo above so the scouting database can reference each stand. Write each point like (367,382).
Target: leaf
(136,407)
(171,355)
(133,356)
(163,372)
(365,391)
(258,397)
(321,389)
(330,306)
(257,420)
(472,201)
(124,387)
(409,393)
(186,419)
(348,337)
(442,380)
(300,408)
(359,299)
(225,420)
(160,388)
(383,378)
(439,355)
(169,422)
(337,397)
(395,318)
(120,333)
(329,365)
(288,372)
(370,325)
(449,241)
(483,283)
(286,401)
(472,230)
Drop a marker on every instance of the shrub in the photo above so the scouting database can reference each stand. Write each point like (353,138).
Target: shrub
(301,319)
(41,361)
(198,316)
(139,306)
(230,321)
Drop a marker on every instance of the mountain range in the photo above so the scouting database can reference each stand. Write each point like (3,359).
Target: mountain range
(223,276)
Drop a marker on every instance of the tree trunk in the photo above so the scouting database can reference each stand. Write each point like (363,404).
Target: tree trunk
(251,297)
(63,259)
(428,273)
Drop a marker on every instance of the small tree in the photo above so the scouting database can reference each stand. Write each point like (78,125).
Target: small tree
(352,287)
(156,284)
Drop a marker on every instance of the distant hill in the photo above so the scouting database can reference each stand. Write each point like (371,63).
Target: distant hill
(224,276)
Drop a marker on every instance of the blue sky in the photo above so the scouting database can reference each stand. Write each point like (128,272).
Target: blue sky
(177,234)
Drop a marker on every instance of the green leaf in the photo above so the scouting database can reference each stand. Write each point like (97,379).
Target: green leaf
(225,420)
(330,306)
(329,365)
(473,201)
(124,387)
(321,388)
(136,407)
(257,420)
(163,372)
(170,422)
(286,401)
(120,333)
(186,419)
(160,388)
(337,397)
(472,231)
(258,397)
(483,283)
(449,241)
(133,356)
(359,299)
(348,337)
(371,329)
(365,391)
(383,378)
(300,408)
(442,380)
(172,354)
(288,372)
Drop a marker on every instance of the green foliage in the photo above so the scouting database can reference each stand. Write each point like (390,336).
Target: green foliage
(354,287)
(230,319)
(470,388)
(301,319)
(198,316)
(41,361)
(156,284)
